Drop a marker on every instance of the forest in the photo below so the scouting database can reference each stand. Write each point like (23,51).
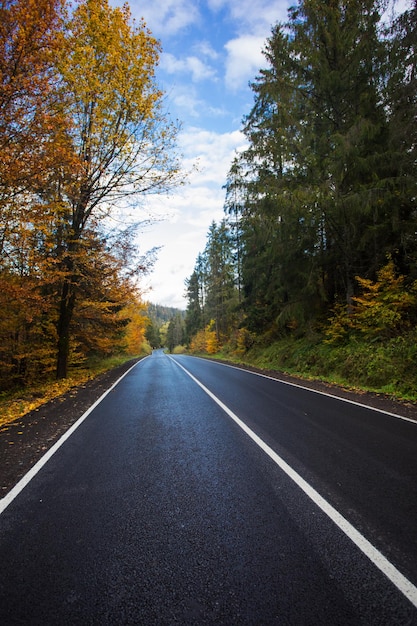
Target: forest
(83,138)
(314,267)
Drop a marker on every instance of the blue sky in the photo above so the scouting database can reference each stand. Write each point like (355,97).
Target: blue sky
(211,50)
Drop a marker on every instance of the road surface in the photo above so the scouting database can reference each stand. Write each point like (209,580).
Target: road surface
(197,493)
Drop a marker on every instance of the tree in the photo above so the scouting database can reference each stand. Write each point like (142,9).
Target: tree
(152,334)
(221,294)
(211,289)
(320,185)
(81,130)
(30,36)
(401,102)
(382,309)
(234,207)
(122,140)
(135,335)
(194,318)
(175,332)
(108,312)
(33,141)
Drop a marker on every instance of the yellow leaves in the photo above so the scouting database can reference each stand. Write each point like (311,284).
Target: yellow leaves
(87,129)
(206,340)
(198,342)
(381,306)
(109,65)
(17,405)
(212,343)
(136,327)
(380,310)
(244,341)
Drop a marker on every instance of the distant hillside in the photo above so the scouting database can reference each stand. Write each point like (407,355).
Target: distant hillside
(159,314)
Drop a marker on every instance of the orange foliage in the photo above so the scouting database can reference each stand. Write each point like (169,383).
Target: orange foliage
(206,340)
(212,343)
(136,327)
(198,342)
(80,126)
(30,35)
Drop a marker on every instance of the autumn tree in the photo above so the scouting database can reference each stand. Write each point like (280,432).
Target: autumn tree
(82,129)
(33,143)
(34,138)
(30,37)
(121,137)
(382,309)
(108,316)
(136,324)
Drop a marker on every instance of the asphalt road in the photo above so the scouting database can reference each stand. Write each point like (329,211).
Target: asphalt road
(160,509)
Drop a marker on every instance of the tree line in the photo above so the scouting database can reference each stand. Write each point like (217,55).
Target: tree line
(320,208)
(83,133)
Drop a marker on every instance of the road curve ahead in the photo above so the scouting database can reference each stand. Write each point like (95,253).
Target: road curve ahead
(163,508)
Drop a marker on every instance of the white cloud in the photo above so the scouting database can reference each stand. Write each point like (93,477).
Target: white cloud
(215,152)
(186,101)
(191,210)
(192,66)
(253,16)
(167,17)
(189,104)
(199,70)
(205,49)
(244,59)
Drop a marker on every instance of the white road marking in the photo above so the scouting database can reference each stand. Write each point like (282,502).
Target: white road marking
(322,393)
(402,583)
(8,499)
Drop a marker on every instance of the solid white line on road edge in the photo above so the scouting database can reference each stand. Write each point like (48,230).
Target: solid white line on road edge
(402,583)
(311,390)
(8,499)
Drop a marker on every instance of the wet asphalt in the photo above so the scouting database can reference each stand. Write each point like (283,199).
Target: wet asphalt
(160,510)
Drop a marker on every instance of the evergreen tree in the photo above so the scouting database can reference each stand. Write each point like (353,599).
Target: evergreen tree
(194,318)
(234,207)
(152,335)
(211,289)
(175,332)
(221,296)
(401,102)
(319,187)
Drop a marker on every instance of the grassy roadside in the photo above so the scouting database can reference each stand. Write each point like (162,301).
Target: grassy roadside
(17,403)
(387,367)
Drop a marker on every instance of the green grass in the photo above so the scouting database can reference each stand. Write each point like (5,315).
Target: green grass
(387,367)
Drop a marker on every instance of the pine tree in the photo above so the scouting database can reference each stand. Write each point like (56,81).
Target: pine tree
(194,318)
(221,294)
(319,186)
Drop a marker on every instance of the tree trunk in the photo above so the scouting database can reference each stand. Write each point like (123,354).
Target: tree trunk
(66,311)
